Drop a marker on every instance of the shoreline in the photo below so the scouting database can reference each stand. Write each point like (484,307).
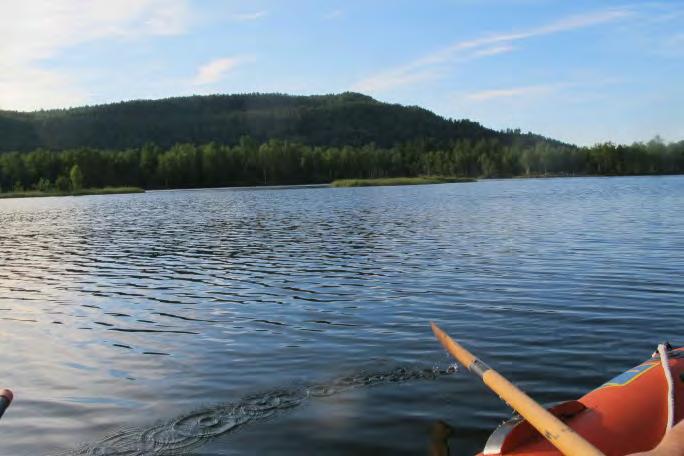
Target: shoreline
(341,183)
(82,192)
(394,181)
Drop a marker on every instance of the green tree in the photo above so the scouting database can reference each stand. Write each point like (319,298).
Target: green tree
(62,183)
(76,177)
(278,161)
(44,185)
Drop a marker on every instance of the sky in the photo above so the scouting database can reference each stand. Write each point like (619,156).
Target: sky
(579,71)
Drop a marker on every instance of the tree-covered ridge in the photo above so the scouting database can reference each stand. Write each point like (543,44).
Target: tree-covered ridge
(285,162)
(224,140)
(347,119)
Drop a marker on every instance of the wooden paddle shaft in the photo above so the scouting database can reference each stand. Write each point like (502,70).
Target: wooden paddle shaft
(554,430)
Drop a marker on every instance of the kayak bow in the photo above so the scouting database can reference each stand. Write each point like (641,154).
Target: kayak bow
(628,414)
(554,430)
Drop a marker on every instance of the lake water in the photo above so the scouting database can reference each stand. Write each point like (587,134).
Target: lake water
(291,321)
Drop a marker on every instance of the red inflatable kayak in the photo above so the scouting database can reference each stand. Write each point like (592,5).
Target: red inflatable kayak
(628,414)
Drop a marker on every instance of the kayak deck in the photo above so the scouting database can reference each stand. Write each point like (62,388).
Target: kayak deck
(625,415)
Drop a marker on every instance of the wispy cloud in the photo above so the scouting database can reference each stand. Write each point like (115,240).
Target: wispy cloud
(669,46)
(535,90)
(394,78)
(31,32)
(217,69)
(28,87)
(397,77)
(246,17)
(485,46)
(486,95)
(334,14)
(494,50)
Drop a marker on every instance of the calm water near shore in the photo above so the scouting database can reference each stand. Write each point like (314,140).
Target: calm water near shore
(295,321)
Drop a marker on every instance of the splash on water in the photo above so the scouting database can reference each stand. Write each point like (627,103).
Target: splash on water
(188,432)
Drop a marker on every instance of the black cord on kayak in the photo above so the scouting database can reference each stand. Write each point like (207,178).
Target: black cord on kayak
(6,397)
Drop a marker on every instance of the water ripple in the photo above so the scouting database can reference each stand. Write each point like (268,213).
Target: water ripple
(191,431)
(561,283)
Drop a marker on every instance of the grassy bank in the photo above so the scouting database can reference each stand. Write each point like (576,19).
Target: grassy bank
(81,192)
(422,180)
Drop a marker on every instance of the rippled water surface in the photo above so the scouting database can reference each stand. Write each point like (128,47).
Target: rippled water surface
(295,321)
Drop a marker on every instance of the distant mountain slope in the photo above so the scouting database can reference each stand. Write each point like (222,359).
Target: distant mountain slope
(326,120)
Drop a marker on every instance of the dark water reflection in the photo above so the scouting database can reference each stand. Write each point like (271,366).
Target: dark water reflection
(290,321)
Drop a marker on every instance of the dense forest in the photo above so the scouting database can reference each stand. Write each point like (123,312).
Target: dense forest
(286,162)
(225,140)
(347,119)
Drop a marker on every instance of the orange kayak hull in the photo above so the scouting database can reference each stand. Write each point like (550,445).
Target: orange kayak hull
(628,414)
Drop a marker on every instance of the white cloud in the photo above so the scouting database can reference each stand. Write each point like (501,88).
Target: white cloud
(333,14)
(531,91)
(484,46)
(494,50)
(244,17)
(32,31)
(394,78)
(486,95)
(217,69)
(27,87)
(670,46)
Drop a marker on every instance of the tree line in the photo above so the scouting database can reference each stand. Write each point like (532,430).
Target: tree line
(287,162)
(334,120)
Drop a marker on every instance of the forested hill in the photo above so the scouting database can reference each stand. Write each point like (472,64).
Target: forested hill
(347,119)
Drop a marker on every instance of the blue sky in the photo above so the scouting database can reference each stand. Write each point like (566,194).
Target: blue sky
(579,71)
